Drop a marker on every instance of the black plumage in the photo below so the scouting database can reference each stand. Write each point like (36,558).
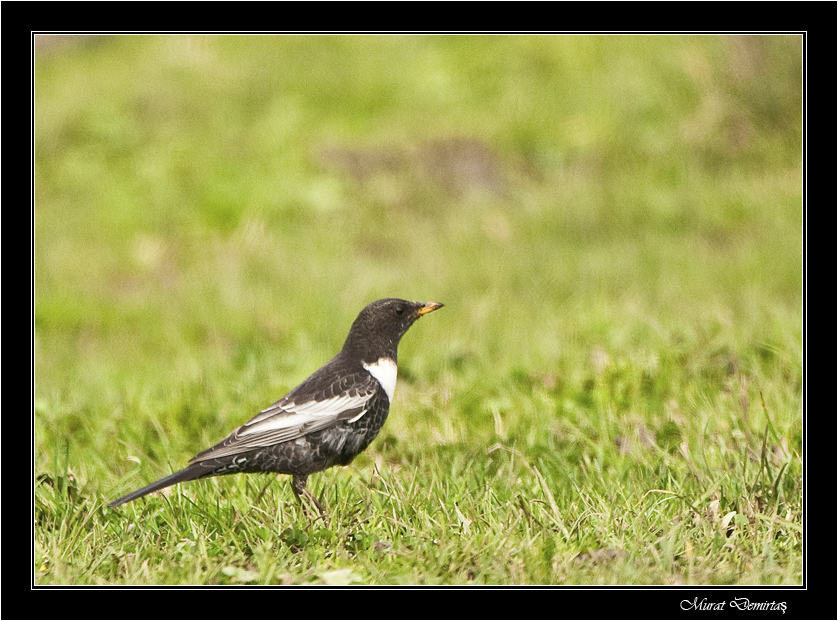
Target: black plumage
(327,420)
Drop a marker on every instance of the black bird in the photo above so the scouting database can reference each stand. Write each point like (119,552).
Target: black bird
(325,421)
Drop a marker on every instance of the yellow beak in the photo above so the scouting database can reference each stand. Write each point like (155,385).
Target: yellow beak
(429,307)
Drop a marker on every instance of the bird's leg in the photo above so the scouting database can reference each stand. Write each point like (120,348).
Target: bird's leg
(298,484)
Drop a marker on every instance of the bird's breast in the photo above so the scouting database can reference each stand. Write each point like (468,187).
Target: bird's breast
(386,372)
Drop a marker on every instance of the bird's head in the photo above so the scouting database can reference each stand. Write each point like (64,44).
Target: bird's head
(381,325)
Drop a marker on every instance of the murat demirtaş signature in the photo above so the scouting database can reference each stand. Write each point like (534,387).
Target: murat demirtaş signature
(737,603)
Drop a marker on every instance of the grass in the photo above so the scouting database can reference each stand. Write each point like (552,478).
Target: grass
(612,394)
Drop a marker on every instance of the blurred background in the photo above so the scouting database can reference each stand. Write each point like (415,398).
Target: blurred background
(213,212)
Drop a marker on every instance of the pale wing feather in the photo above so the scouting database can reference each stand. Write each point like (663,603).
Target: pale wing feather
(286,421)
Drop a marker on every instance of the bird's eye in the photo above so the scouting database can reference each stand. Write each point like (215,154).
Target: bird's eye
(400,310)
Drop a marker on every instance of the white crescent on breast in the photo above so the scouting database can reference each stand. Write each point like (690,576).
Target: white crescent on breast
(385,371)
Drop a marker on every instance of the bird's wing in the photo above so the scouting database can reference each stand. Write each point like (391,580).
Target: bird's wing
(302,411)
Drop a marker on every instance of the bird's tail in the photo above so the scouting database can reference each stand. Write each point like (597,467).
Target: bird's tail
(195,471)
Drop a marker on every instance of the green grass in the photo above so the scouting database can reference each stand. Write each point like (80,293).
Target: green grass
(611,395)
